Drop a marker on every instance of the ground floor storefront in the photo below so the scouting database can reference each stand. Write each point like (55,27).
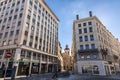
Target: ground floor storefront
(22,59)
(96,68)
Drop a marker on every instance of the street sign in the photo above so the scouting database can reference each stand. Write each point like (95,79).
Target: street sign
(8,55)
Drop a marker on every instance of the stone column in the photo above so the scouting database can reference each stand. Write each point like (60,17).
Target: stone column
(16,62)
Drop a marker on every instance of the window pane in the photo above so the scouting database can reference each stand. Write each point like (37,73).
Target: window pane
(81,47)
(90,29)
(93,46)
(89,23)
(84,24)
(87,47)
(79,25)
(91,37)
(85,30)
(80,39)
(86,38)
(80,31)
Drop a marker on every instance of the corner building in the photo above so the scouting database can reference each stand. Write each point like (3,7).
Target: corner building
(96,50)
(29,30)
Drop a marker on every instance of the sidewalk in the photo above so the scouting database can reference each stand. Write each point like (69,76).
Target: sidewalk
(48,76)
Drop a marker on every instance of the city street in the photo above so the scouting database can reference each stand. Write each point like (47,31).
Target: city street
(70,77)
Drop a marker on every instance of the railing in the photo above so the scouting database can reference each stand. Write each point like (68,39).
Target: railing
(88,51)
(104,51)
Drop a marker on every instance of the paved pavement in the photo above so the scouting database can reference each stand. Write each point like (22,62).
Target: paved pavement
(70,77)
(74,77)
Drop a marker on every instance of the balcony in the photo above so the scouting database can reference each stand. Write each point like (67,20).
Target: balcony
(104,51)
(88,51)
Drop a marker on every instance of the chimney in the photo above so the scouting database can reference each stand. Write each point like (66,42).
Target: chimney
(77,17)
(90,13)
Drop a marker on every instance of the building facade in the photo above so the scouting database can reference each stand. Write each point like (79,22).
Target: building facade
(28,30)
(60,58)
(67,59)
(95,49)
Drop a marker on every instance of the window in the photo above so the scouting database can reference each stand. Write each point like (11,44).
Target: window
(84,24)
(16,10)
(86,38)
(38,17)
(30,2)
(33,20)
(94,56)
(15,17)
(35,7)
(82,57)
(81,47)
(24,42)
(28,16)
(87,47)
(23,1)
(93,46)
(80,31)
(18,2)
(39,11)
(30,44)
(32,28)
(91,37)
(20,15)
(28,54)
(79,25)
(80,39)
(90,29)
(21,9)
(3,27)
(10,18)
(23,53)
(13,4)
(11,33)
(6,14)
(38,24)
(6,34)
(85,30)
(11,11)
(19,23)
(5,20)
(10,1)
(26,33)
(89,23)
(17,32)
(27,24)
(1,35)
(88,56)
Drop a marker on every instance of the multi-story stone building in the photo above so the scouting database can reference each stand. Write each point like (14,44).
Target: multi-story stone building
(96,50)
(28,30)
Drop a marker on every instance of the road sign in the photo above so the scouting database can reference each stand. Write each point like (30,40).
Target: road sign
(8,55)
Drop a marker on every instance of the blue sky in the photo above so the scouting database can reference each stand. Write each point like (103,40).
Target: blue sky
(108,11)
